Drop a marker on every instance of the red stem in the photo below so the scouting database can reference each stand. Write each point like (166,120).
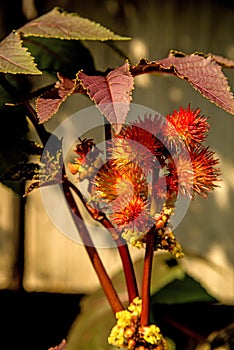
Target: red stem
(104,279)
(184,329)
(149,253)
(128,268)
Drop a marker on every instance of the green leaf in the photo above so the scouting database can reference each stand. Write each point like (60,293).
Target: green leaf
(184,290)
(64,56)
(13,131)
(63,25)
(14,58)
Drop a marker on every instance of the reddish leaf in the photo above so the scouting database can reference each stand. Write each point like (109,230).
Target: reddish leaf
(112,94)
(49,102)
(61,346)
(223,61)
(203,73)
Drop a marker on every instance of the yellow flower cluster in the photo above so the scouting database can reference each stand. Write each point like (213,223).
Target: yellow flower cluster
(152,334)
(128,333)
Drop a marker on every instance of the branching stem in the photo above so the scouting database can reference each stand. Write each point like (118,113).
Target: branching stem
(128,268)
(120,243)
(104,279)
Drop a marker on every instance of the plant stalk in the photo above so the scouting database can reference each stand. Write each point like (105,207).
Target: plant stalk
(146,280)
(104,279)
(128,268)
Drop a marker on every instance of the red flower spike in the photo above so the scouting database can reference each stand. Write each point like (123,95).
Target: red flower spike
(188,124)
(137,143)
(114,183)
(198,174)
(152,125)
(128,216)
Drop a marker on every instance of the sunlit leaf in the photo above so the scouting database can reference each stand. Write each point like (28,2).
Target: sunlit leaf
(61,346)
(205,75)
(202,72)
(49,102)
(63,25)
(112,94)
(14,58)
(223,61)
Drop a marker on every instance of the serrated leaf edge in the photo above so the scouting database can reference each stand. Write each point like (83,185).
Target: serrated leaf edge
(36,71)
(62,12)
(62,99)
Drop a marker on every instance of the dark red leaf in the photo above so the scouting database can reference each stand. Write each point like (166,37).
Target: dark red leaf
(203,73)
(49,102)
(223,61)
(112,94)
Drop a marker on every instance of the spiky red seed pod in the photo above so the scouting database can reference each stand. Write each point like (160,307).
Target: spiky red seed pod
(197,175)
(188,124)
(138,143)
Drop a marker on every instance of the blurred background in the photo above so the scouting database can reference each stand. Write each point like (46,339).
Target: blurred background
(45,262)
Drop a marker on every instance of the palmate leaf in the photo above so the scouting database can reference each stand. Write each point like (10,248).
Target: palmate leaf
(62,25)
(49,102)
(112,94)
(14,58)
(204,73)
